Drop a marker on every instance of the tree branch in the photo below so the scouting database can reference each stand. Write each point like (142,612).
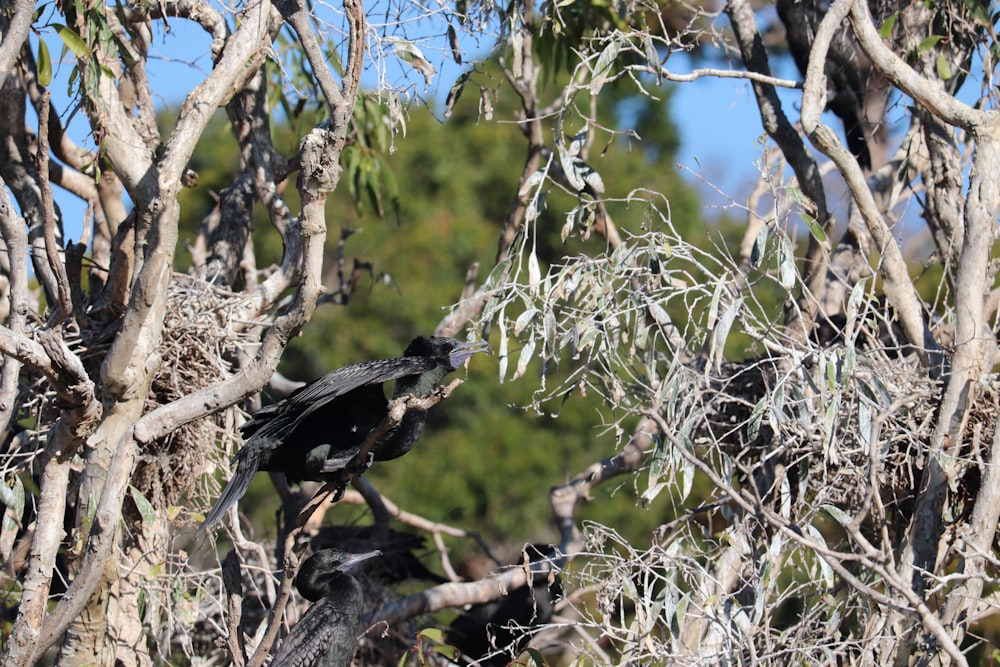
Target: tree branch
(15,35)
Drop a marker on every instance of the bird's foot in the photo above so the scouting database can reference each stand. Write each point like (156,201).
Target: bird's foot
(362,467)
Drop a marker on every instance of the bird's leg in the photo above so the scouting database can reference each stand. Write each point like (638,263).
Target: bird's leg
(335,485)
(356,467)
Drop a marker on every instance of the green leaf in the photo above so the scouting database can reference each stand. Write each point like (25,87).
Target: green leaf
(756,417)
(838,514)
(786,263)
(44,64)
(814,229)
(72,40)
(524,319)
(885,30)
(448,651)
(431,634)
(604,63)
(825,569)
(929,43)
(536,657)
(759,247)
(722,329)
(144,506)
(527,353)
(455,93)
(456,51)
(943,68)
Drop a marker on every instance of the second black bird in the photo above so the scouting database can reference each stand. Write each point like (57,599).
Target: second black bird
(326,634)
(321,427)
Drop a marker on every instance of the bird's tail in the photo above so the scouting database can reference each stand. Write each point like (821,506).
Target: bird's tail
(247,461)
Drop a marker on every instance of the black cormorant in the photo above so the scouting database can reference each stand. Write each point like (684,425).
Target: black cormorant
(317,430)
(495,633)
(325,635)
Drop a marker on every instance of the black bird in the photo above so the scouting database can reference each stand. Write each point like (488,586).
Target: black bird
(495,633)
(325,635)
(846,79)
(318,429)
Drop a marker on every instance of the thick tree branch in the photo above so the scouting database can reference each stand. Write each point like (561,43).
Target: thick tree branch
(899,287)
(15,239)
(444,596)
(28,639)
(928,93)
(14,34)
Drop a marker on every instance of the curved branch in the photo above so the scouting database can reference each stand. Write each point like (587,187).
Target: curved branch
(715,72)
(239,62)
(898,285)
(444,596)
(319,156)
(925,92)
(198,11)
(297,15)
(565,498)
(29,636)
(100,543)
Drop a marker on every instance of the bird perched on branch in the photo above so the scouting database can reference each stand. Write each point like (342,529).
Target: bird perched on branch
(320,428)
(325,635)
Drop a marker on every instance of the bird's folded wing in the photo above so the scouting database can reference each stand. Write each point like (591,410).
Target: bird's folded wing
(282,416)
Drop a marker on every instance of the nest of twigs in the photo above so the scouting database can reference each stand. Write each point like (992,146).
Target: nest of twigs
(200,346)
(831,430)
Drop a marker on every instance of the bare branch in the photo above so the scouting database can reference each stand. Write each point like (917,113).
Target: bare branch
(448,595)
(64,306)
(930,94)
(565,498)
(15,239)
(15,34)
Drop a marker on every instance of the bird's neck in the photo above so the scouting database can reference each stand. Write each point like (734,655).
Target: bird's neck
(421,385)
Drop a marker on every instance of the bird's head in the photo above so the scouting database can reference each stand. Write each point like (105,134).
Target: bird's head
(450,352)
(323,567)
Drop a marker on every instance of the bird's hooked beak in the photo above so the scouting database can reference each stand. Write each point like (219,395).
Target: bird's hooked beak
(463,351)
(353,559)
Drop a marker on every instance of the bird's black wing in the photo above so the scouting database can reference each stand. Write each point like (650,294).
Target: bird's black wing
(325,635)
(274,421)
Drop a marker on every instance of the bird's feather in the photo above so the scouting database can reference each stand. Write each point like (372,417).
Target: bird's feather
(325,635)
(247,462)
(275,421)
